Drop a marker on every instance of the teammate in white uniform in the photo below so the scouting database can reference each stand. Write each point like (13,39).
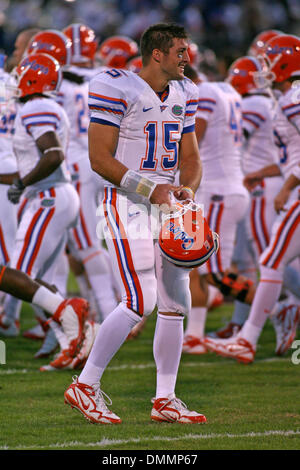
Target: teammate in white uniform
(73,96)
(8,214)
(140,125)
(39,142)
(284,243)
(225,199)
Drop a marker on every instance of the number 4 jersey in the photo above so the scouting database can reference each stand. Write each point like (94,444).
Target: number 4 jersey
(151,126)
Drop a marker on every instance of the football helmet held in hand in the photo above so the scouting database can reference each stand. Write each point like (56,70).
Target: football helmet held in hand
(185,238)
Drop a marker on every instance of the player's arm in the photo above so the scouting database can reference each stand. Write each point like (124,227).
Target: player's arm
(269,171)
(103,141)
(52,156)
(8,178)
(291,183)
(190,166)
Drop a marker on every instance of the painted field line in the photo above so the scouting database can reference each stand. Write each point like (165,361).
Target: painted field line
(112,442)
(151,365)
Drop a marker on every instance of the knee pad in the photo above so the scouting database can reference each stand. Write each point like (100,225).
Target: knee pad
(233,284)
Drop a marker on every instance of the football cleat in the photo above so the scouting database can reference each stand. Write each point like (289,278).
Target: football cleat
(72,315)
(228,331)
(63,360)
(185,238)
(173,410)
(12,331)
(235,348)
(49,346)
(35,333)
(285,322)
(4,321)
(193,345)
(91,401)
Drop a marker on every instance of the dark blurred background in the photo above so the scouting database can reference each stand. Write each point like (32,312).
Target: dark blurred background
(225,27)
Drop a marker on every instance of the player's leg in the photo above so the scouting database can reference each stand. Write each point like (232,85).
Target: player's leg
(283,248)
(87,244)
(132,256)
(174,302)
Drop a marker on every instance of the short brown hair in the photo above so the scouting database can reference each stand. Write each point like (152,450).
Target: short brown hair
(160,36)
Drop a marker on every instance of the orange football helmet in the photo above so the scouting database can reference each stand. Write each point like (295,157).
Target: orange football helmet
(37,73)
(135,64)
(185,238)
(194,54)
(259,42)
(117,50)
(84,42)
(282,54)
(51,42)
(245,74)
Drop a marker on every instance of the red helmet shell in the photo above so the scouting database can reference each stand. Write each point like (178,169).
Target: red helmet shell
(37,73)
(84,42)
(185,238)
(117,50)
(283,56)
(257,46)
(241,74)
(51,42)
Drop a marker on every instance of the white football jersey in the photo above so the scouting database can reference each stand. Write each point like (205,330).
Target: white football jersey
(8,111)
(73,98)
(220,149)
(150,126)
(287,130)
(35,118)
(259,149)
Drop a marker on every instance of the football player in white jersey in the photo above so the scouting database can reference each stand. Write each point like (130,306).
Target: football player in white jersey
(283,56)
(8,214)
(225,199)
(39,142)
(83,241)
(140,125)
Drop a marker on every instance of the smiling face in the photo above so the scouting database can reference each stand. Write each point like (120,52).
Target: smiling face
(172,63)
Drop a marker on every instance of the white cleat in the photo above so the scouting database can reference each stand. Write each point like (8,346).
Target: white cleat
(285,322)
(193,345)
(235,348)
(173,410)
(91,401)
(49,346)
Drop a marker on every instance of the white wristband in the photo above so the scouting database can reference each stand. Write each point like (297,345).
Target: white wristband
(296,172)
(132,182)
(52,149)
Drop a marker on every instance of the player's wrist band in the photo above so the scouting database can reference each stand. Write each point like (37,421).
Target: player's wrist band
(189,190)
(132,182)
(19,183)
(296,172)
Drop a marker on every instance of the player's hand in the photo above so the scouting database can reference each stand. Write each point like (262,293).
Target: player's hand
(281,199)
(184,194)
(15,191)
(252,179)
(162,195)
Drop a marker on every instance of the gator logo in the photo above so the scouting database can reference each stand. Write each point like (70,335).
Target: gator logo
(177,110)
(47,202)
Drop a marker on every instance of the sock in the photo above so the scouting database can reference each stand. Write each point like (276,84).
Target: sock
(196,322)
(99,274)
(266,296)
(110,337)
(212,291)
(47,300)
(240,313)
(12,307)
(167,346)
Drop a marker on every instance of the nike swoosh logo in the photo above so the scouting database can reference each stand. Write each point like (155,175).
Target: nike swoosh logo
(85,404)
(146,109)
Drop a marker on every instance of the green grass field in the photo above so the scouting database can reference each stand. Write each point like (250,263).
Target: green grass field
(247,407)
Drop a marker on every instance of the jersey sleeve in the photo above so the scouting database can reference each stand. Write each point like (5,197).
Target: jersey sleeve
(191,107)
(206,102)
(107,101)
(292,113)
(253,115)
(38,121)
